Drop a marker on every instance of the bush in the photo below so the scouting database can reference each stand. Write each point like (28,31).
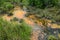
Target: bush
(14,19)
(6,7)
(14,31)
(51,37)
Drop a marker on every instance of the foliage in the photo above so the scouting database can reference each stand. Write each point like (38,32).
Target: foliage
(48,13)
(25,3)
(14,19)
(51,37)
(14,31)
(36,3)
(6,7)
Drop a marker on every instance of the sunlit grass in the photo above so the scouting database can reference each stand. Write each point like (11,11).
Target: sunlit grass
(14,31)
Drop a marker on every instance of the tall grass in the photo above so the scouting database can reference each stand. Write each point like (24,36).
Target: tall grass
(14,31)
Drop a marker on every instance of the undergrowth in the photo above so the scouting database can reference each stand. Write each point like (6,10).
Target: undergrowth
(14,31)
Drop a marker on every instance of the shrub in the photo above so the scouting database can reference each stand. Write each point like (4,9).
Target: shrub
(14,19)
(14,31)
(51,37)
(6,7)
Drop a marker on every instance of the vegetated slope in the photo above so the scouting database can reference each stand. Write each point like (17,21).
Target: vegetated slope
(7,5)
(20,14)
(33,21)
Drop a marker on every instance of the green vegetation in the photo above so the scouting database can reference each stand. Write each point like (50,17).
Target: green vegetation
(51,37)
(42,9)
(36,3)
(7,5)
(14,31)
(52,14)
